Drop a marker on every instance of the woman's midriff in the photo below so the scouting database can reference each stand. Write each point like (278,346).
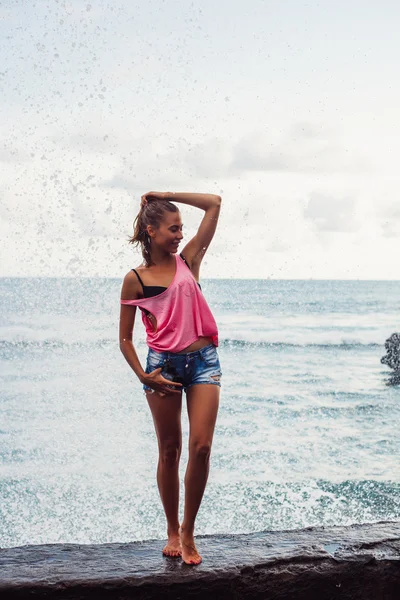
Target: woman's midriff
(199,343)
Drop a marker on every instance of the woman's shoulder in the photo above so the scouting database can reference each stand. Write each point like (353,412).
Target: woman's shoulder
(131,275)
(131,288)
(140,269)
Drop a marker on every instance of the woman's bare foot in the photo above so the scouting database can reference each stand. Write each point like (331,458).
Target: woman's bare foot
(173,547)
(190,554)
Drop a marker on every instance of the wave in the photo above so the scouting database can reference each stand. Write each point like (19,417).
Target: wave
(53,344)
(230,343)
(344,345)
(232,507)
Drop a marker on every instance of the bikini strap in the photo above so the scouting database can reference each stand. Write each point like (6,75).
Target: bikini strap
(185,261)
(138,276)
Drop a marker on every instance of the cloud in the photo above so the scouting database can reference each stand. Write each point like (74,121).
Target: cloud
(308,130)
(12,154)
(278,246)
(208,159)
(391,229)
(176,161)
(328,213)
(304,148)
(390,220)
(392,211)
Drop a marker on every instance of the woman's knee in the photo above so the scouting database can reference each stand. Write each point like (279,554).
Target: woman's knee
(170,452)
(200,450)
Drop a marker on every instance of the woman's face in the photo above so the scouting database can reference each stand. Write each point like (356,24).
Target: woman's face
(169,234)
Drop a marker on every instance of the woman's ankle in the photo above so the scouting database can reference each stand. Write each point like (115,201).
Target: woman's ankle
(187,528)
(173,529)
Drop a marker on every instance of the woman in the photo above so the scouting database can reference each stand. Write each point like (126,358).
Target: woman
(182,337)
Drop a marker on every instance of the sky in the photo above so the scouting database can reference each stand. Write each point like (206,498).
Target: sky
(287,109)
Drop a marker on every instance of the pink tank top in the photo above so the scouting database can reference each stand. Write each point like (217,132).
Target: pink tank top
(181,312)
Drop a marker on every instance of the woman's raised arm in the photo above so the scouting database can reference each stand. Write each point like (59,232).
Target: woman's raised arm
(196,248)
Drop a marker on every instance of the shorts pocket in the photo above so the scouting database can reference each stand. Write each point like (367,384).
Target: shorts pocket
(210,357)
(153,363)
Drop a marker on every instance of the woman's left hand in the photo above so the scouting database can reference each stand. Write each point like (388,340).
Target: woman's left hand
(153,196)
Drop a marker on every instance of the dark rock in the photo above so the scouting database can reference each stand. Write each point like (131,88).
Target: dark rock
(392,356)
(394,379)
(322,563)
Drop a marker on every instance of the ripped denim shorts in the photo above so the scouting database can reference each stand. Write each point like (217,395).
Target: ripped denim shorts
(200,366)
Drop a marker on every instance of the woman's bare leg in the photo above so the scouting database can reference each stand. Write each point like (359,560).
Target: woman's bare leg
(202,403)
(166,411)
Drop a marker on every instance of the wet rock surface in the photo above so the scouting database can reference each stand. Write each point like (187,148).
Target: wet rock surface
(392,358)
(355,562)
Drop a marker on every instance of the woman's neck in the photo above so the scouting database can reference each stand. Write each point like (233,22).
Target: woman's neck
(162,260)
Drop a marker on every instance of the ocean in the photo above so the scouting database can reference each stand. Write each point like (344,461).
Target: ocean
(307,433)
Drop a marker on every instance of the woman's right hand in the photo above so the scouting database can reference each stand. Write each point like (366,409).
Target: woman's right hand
(152,196)
(160,384)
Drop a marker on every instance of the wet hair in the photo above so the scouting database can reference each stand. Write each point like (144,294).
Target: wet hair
(152,214)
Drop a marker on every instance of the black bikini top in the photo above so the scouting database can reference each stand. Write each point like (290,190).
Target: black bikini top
(154,290)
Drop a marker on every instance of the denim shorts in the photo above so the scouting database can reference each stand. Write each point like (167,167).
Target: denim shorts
(201,366)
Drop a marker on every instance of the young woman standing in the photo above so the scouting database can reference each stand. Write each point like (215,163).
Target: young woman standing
(182,337)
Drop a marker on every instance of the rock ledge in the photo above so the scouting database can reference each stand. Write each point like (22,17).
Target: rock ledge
(319,563)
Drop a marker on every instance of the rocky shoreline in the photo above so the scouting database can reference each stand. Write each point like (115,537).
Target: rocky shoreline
(319,563)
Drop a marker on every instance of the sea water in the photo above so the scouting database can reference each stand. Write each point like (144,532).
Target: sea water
(307,433)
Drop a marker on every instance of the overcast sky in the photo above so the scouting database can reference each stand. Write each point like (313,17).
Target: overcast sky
(288,109)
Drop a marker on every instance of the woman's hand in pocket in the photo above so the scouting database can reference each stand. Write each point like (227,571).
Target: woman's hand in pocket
(160,384)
